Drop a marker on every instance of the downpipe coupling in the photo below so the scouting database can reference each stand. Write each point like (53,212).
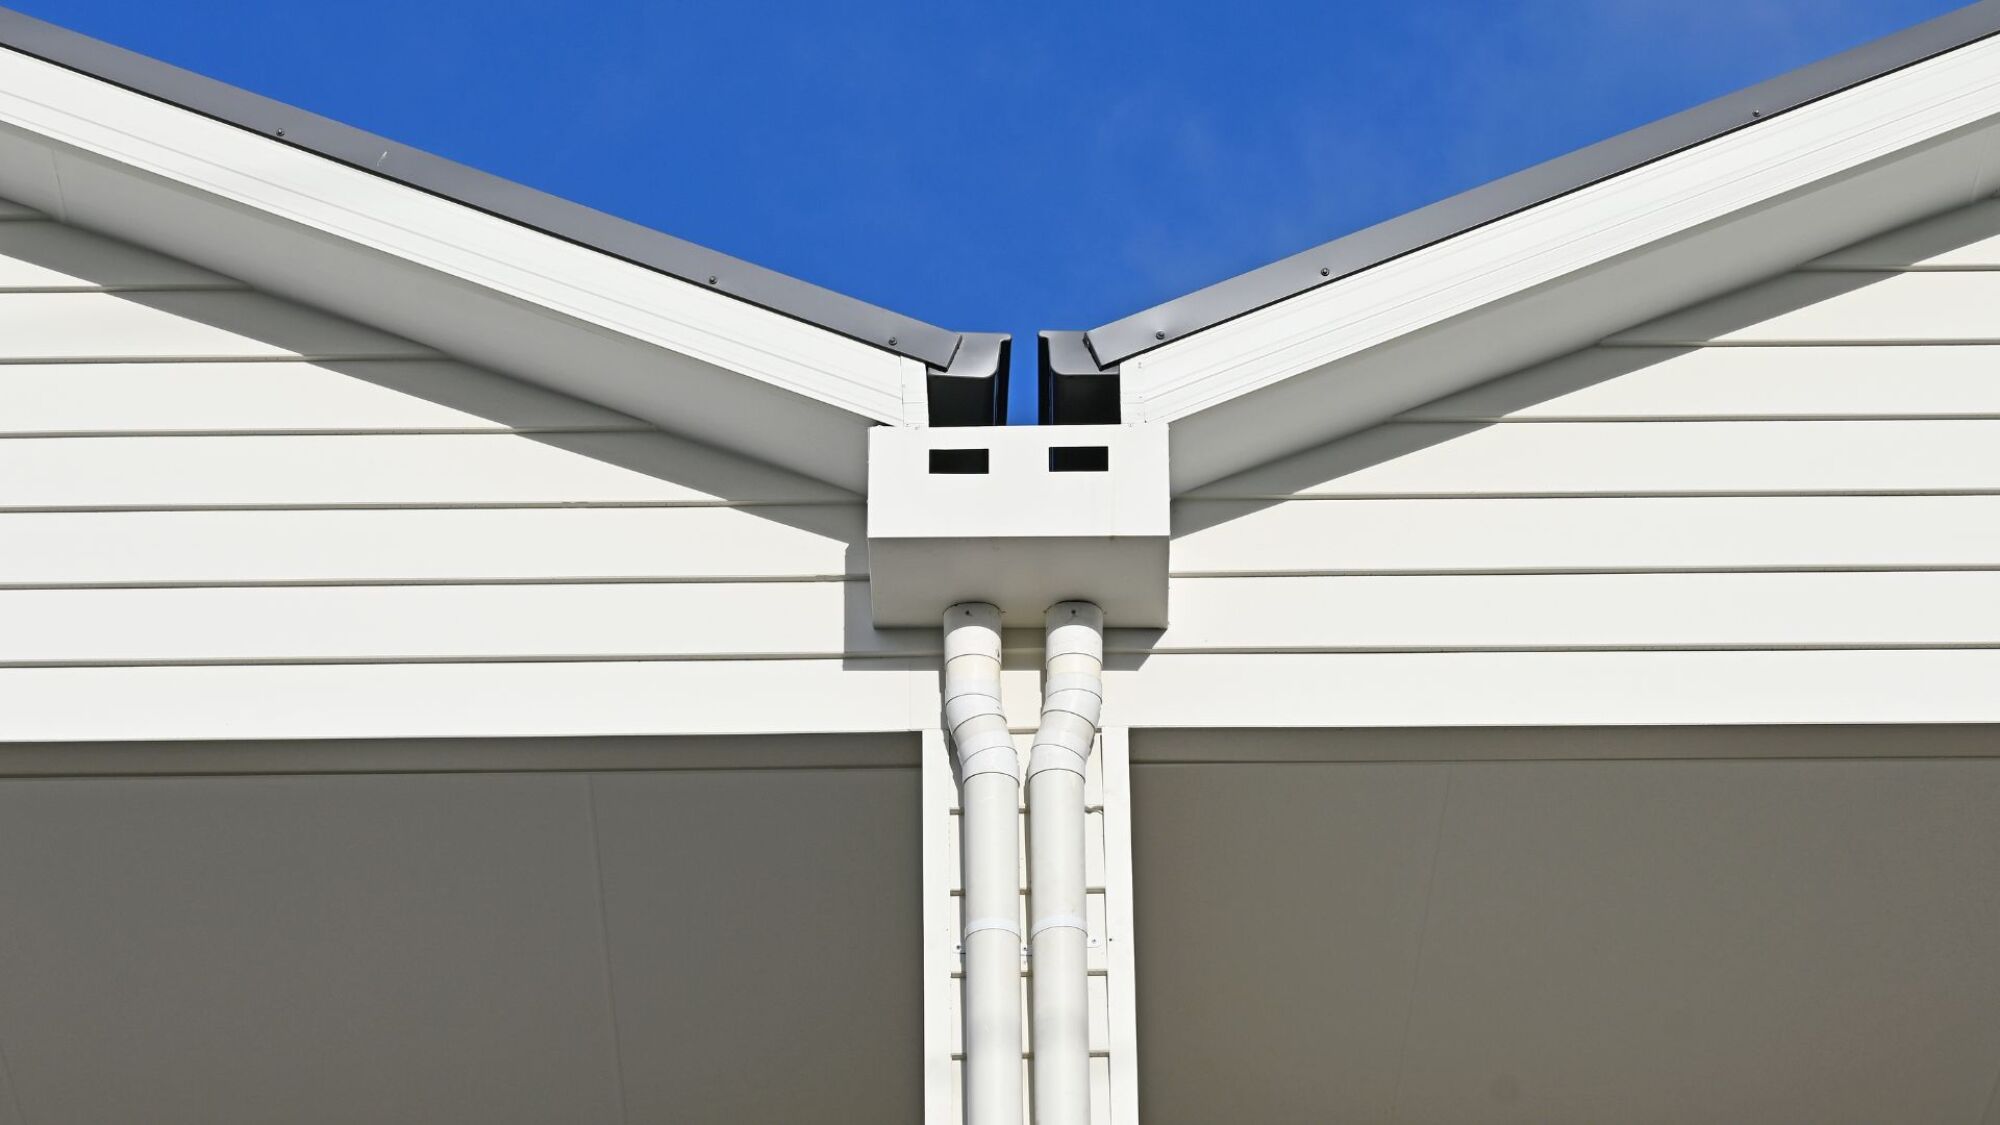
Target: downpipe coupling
(1072,688)
(972,713)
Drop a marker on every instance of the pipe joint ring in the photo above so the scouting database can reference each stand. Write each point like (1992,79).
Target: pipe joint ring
(1001,759)
(1058,922)
(977,925)
(970,741)
(969,700)
(1081,708)
(1048,756)
(1073,681)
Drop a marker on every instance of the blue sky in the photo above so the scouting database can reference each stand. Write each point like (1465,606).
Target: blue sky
(997,167)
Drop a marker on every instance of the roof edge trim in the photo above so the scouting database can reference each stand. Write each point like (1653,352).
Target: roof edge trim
(1119,340)
(482,191)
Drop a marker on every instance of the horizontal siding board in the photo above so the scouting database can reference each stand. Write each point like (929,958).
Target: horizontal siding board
(1839,307)
(11,211)
(1556,689)
(463,700)
(429,545)
(359,395)
(1679,500)
(168,472)
(827,696)
(1568,743)
(1968,237)
(459,621)
(676,620)
(1775,382)
(1622,458)
(179,325)
(224,757)
(49,255)
(1584,611)
(823,619)
(1660,533)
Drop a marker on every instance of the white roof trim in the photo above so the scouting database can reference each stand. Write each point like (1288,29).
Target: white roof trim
(457,279)
(1572,270)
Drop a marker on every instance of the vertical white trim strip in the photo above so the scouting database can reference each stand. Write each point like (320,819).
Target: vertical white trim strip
(1121,966)
(916,392)
(940,919)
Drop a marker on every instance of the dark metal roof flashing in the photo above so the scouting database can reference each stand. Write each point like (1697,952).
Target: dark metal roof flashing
(1075,390)
(972,389)
(504,199)
(1122,339)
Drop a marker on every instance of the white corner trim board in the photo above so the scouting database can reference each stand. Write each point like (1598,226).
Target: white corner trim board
(103,157)
(1569,271)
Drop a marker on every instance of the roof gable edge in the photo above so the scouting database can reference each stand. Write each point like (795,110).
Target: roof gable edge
(537,210)
(1122,339)
(1572,270)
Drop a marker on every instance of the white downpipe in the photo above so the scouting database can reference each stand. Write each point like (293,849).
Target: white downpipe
(1072,699)
(989,830)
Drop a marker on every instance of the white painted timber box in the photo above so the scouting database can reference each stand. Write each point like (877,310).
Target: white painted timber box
(1020,516)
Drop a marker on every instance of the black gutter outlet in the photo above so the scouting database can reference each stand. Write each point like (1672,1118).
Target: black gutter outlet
(1075,389)
(972,389)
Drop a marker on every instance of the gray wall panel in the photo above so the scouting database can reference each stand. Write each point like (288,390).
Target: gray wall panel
(765,944)
(1274,977)
(686,946)
(408,949)
(1811,941)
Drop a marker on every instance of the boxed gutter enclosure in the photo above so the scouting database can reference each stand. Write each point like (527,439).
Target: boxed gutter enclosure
(468,658)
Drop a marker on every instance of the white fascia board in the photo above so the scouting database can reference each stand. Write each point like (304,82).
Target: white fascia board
(1570,271)
(470,284)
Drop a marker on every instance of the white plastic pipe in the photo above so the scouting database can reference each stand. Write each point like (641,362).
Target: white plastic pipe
(989,837)
(1072,699)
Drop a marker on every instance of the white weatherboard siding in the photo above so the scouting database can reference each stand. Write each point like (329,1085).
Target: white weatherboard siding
(1796,526)
(288,397)
(828,618)
(346,470)
(1776,507)
(209,453)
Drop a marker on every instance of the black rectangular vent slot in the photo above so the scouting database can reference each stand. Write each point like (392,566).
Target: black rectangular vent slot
(1080,459)
(958,462)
